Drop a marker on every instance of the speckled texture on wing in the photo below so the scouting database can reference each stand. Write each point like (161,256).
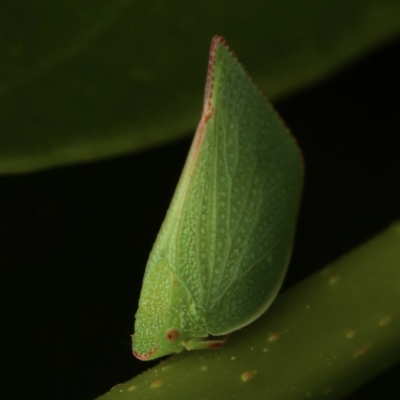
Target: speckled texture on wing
(229,231)
(154,304)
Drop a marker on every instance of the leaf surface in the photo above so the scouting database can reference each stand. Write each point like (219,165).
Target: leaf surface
(83,81)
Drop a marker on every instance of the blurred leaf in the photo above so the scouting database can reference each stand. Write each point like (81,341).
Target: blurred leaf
(88,80)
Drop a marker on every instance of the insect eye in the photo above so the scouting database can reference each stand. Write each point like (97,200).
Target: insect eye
(171,335)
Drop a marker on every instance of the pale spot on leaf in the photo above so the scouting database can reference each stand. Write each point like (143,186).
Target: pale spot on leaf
(384,321)
(157,383)
(273,337)
(248,375)
(334,279)
(360,352)
(350,334)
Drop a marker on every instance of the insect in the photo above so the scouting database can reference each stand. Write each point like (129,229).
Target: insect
(224,246)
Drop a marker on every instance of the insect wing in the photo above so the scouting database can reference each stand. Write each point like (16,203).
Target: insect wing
(229,231)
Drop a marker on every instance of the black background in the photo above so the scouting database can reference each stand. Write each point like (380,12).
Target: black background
(75,240)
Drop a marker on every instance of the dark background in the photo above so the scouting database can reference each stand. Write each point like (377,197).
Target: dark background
(75,240)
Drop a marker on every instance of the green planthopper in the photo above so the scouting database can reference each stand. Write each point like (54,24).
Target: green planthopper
(222,252)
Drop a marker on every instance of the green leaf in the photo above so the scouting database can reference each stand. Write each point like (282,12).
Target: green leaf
(321,339)
(88,80)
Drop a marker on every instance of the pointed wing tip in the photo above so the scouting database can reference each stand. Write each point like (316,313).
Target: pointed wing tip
(220,40)
(215,42)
